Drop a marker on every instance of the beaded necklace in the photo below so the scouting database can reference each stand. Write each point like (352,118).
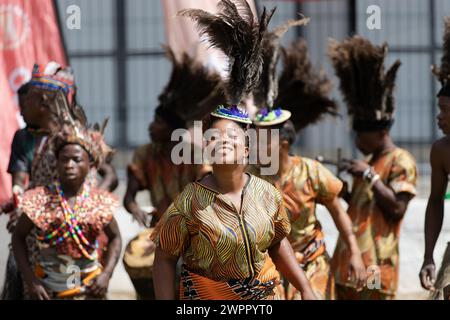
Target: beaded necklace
(71,226)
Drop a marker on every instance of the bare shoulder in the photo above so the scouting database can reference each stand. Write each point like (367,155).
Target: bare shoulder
(441,148)
(440,154)
(442,143)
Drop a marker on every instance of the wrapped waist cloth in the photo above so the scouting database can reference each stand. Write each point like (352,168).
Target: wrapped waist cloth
(59,273)
(267,285)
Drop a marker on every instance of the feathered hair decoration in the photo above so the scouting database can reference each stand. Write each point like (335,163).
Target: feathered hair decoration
(265,94)
(367,88)
(56,85)
(302,90)
(442,73)
(235,31)
(192,91)
(90,138)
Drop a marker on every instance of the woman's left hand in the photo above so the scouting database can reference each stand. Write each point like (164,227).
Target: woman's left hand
(357,167)
(99,286)
(357,271)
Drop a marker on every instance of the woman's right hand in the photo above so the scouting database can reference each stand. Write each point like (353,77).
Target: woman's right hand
(142,217)
(37,291)
(7,207)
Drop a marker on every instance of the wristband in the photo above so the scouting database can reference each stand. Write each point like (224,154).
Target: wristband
(374,179)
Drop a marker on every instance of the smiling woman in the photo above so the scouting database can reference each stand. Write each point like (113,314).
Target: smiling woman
(229,227)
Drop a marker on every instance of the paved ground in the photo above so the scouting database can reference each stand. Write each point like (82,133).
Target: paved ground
(411,248)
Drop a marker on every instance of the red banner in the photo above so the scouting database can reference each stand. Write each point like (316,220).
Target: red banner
(29,33)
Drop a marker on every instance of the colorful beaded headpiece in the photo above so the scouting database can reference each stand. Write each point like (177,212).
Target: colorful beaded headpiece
(271,117)
(90,139)
(54,77)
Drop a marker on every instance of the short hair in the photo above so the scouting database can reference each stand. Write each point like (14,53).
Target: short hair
(445,90)
(24,88)
(287,132)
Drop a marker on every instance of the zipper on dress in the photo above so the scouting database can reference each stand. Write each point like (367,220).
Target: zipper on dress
(244,231)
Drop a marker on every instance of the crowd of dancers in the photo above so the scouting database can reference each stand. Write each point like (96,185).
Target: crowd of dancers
(224,229)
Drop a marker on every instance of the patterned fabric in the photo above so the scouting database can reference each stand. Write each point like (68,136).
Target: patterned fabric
(349,293)
(164,180)
(43,208)
(43,167)
(320,278)
(56,271)
(217,241)
(377,238)
(54,264)
(306,184)
(266,286)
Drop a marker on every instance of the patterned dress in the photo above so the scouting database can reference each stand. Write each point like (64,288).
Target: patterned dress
(225,251)
(164,180)
(306,184)
(377,238)
(54,264)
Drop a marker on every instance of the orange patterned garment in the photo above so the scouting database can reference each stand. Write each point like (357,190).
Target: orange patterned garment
(266,286)
(377,238)
(306,184)
(217,241)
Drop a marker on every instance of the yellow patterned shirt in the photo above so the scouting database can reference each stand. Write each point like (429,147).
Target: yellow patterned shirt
(214,239)
(377,238)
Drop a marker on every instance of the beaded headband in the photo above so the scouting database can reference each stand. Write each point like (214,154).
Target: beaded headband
(233,113)
(267,117)
(53,77)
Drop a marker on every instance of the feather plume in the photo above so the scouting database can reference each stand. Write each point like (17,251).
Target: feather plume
(367,89)
(302,90)
(235,32)
(442,73)
(192,91)
(265,94)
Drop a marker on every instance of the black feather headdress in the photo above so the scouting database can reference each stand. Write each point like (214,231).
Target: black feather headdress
(442,73)
(302,90)
(235,31)
(266,92)
(367,88)
(192,92)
